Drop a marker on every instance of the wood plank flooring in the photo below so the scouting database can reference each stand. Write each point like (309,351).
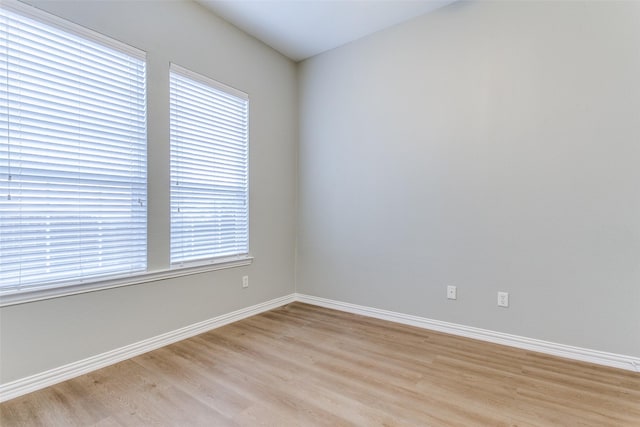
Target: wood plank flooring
(302,365)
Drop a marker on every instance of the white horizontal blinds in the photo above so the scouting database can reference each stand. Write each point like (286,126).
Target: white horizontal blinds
(209,169)
(72,156)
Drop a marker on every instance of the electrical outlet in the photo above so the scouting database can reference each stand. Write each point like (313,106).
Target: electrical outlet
(503,299)
(452,292)
(245,281)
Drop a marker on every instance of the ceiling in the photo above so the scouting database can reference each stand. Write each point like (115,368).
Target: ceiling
(300,29)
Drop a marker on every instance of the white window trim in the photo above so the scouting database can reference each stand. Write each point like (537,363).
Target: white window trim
(79,30)
(174,68)
(208,81)
(38,293)
(28,294)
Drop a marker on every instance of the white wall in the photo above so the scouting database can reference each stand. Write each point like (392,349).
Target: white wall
(489,145)
(38,336)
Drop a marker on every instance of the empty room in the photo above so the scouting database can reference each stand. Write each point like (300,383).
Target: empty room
(319,213)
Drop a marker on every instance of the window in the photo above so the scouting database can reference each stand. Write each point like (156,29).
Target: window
(209,169)
(72,154)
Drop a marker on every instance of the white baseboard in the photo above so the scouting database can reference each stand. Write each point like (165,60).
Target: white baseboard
(585,355)
(56,375)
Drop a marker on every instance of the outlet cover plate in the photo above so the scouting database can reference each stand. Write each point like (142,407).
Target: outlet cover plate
(503,299)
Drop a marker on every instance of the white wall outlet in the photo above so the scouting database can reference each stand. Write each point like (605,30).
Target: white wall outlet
(452,292)
(503,299)
(245,281)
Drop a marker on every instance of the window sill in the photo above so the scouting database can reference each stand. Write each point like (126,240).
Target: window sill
(21,296)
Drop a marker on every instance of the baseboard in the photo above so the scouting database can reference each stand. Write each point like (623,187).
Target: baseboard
(48,378)
(576,353)
(53,376)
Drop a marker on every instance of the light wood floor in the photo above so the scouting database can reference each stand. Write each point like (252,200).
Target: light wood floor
(301,365)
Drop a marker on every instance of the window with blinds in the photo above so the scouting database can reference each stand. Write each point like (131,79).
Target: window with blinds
(209,169)
(72,154)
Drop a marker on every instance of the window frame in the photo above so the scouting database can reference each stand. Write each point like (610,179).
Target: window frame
(82,129)
(15,296)
(228,91)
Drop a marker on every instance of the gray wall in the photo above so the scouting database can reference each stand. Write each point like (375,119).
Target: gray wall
(42,335)
(489,145)
(494,146)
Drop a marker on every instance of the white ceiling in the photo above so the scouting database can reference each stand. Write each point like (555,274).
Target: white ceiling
(303,28)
